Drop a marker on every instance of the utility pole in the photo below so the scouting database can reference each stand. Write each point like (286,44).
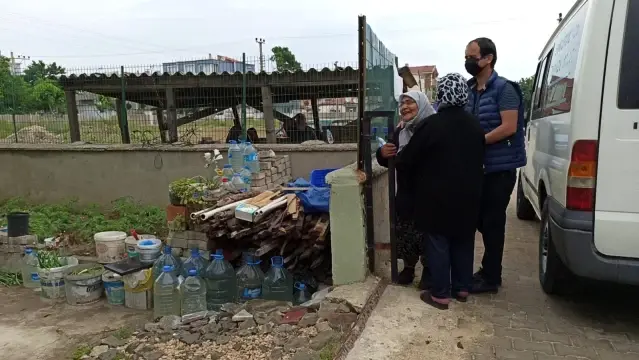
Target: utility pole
(260,42)
(14,68)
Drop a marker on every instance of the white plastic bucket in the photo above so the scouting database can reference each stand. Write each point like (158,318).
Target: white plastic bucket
(131,243)
(52,281)
(109,246)
(149,250)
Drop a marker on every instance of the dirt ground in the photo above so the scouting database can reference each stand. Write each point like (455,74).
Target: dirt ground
(32,329)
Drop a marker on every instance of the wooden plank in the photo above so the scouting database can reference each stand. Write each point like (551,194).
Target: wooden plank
(267,109)
(198,115)
(236,117)
(72,114)
(171,116)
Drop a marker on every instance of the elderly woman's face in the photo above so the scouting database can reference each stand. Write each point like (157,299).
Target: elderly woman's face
(408,109)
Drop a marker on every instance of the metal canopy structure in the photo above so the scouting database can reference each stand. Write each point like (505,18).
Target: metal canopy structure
(212,93)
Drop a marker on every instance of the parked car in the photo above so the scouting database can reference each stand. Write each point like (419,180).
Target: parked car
(582,177)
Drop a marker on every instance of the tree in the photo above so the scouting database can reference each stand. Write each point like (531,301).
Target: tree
(104,103)
(284,59)
(14,91)
(526,84)
(47,96)
(40,70)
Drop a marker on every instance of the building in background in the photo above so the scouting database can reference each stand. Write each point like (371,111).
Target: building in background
(426,78)
(211,65)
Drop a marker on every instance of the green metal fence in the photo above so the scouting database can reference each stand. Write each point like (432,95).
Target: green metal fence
(207,100)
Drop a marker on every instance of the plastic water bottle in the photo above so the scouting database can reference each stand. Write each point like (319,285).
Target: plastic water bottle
(301,294)
(251,158)
(227,172)
(167,259)
(195,261)
(245,174)
(238,183)
(193,293)
(278,282)
(236,156)
(249,279)
(374,144)
(226,185)
(329,136)
(221,282)
(30,277)
(166,294)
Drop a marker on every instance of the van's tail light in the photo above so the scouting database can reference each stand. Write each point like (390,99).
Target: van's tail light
(580,193)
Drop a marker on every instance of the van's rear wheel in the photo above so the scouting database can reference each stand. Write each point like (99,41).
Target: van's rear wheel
(525,210)
(554,276)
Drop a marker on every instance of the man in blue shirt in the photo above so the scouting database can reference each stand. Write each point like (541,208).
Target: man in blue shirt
(497,103)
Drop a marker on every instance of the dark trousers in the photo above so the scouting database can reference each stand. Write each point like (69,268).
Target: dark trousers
(450,261)
(496,193)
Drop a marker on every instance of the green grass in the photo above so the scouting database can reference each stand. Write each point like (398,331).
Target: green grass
(123,333)
(80,351)
(107,130)
(82,222)
(328,351)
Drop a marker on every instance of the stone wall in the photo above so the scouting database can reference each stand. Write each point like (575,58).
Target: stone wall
(102,173)
(12,248)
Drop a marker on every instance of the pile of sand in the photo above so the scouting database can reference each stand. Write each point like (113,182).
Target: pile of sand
(35,135)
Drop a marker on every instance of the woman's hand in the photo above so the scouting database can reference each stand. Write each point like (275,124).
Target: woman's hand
(388,150)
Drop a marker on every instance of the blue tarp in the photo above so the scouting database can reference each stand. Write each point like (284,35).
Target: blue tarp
(315,199)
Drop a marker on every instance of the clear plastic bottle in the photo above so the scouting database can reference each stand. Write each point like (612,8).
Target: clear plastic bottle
(374,144)
(166,294)
(195,261)
(193,293)
(236,156)
(249,279)
(30,277)
(301,294)
(221,282)
(278,282)
(227,172)
(329,136)
(165,259)
(226,185)
(246,177)
(251,158)
(238,183)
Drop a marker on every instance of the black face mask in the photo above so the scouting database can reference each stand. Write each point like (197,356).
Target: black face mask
(473,67)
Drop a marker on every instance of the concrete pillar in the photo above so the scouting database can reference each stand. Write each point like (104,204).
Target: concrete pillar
(348,237)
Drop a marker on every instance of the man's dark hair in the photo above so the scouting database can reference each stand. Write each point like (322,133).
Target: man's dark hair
(486,47)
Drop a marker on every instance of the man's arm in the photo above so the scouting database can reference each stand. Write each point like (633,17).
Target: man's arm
(509,101)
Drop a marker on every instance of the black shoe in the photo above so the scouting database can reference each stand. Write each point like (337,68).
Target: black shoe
(479,276)
(482,287)
(428,299)
(406,276)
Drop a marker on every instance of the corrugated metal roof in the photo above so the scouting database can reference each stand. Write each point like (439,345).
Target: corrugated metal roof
(133,75)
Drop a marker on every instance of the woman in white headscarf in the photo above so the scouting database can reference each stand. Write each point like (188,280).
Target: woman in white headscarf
(413,109)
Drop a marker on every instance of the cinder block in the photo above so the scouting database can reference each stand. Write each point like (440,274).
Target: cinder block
(265,165)
(177,241)
(258,182)
(202,245)
(195,235)
(177,251)
(23,240)
(260,188)
(258,176)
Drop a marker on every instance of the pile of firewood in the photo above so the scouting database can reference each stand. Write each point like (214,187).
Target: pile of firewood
(303,240)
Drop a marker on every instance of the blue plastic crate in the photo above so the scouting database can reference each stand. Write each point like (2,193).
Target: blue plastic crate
(318,177)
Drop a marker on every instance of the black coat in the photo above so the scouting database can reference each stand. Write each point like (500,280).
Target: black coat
(403,203)
(442,169)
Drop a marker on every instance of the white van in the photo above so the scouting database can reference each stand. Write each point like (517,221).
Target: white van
(582,176)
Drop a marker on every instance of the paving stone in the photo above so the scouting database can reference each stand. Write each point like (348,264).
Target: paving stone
(503,354)
(514,333)
(523,345)
(564,350)
(580,341)
(543,336)
(613,355)
(626,347)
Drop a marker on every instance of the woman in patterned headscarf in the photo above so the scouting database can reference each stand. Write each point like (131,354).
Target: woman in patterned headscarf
(444,165)
(414,109)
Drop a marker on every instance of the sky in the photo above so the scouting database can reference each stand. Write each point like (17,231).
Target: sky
(85,35)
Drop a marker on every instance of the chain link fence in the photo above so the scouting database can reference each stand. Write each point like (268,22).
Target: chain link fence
(198,101)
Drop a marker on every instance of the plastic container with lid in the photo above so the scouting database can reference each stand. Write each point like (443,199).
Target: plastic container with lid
(236,156)
(195,261)
(149,250)
(110,246)
(221,282)
(278,282)
(249,278)
(131,243)
(113,287)
(165,259)
(301,294)
(166,294)
(30,263)
(227,172)
(193,293)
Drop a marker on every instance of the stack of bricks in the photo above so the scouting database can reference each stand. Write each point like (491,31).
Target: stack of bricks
(12,248)
(274,171)
(182,241)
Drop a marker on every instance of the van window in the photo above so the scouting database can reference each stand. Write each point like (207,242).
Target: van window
(557,89)
(628,97)
(540,80)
